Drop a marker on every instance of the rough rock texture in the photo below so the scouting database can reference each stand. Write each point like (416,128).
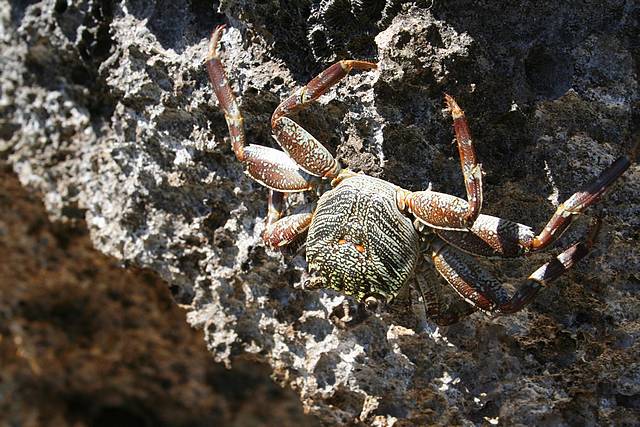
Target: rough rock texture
(84,342)
(107,111)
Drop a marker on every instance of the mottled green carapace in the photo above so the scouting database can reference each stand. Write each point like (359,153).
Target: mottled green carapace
(359,243)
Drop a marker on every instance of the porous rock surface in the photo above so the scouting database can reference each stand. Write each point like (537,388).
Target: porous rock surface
(106,110)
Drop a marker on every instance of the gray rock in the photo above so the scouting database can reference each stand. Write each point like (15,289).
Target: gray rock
(107,111)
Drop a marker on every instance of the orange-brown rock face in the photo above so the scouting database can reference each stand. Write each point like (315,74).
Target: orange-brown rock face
(84,341)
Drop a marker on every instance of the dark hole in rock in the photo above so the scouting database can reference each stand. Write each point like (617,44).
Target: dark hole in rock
(548,74)
(73,212)
(60,6)
(403,38)
(317,327)
(632,402)
(292,276)
(18,9)
(325,370)
(175,290)
(82,76)
(103,40)
(318,41)
(490,409)
(582,317)
(433,37)
(182,295)
(392,408)
(218,216)
(344,398)
(205,16)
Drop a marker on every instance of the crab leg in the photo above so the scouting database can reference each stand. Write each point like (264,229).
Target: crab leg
(301,146)
(436,210)
(434,307)
(439,210)
(282,231)
(318,86)
(471,169)
(483,291)
(304,149)
(226,99)
(578,202)
(275,170)
(270,167)
(492,236)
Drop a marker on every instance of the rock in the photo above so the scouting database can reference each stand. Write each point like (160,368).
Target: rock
(85,342)
(107,111)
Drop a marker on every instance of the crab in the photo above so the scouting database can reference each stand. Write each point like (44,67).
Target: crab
(366,236)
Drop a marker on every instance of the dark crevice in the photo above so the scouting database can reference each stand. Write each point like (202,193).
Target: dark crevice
(18,8)
(548,74)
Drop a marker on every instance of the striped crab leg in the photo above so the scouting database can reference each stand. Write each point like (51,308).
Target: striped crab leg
(578,202)
(484,292)
(301,146)
(280,231)
(318,86)
(306,151)
(436,310)
(270,167)
(443,211)
(493,236)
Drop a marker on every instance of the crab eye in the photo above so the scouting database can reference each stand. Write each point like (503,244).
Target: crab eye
(342,241)
(360,248)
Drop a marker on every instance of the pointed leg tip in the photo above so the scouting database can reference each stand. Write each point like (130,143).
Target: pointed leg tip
(216,34)
(218,30)
(452,105)
(350,64)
